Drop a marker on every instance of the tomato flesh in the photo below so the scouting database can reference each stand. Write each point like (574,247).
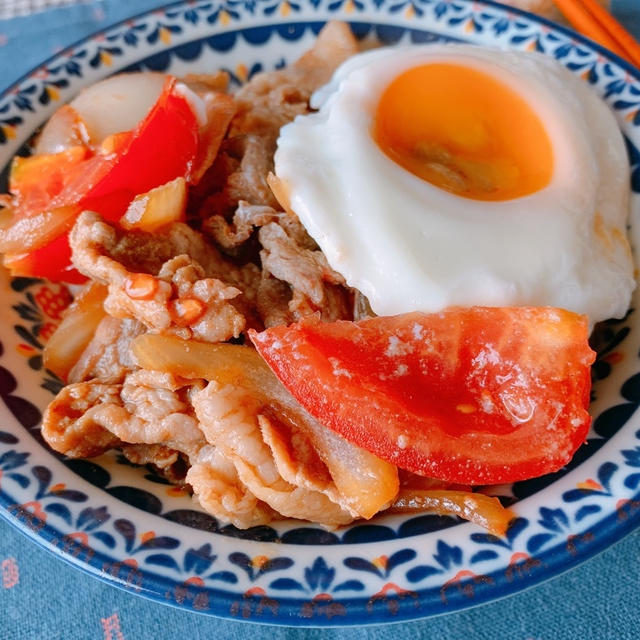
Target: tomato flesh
(476,396)
(35,181)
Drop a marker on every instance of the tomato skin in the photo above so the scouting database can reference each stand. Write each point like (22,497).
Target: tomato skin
(475,396)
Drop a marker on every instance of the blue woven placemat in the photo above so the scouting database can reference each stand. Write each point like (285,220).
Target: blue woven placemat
(41,597)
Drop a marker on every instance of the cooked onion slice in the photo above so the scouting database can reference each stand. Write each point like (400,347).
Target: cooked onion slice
(25,234)
(116,104)
(75,331)
(476,507)
(64,129)
(157,208)
(366,483)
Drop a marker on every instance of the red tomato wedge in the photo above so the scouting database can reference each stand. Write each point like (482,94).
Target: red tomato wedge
(475,396)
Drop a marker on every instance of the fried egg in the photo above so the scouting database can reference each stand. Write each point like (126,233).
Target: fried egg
(452,175)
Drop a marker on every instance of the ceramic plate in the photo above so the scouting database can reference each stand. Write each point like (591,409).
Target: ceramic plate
(125,525)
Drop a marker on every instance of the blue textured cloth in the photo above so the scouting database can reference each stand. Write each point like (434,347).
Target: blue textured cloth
(42,597)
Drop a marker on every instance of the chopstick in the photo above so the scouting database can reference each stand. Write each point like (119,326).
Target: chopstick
(595,22)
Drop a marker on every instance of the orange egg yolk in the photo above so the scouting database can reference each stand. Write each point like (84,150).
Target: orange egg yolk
(463,131)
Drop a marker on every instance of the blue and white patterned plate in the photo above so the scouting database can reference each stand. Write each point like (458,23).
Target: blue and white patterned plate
(124,525)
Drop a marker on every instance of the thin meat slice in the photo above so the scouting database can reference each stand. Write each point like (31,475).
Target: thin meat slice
(295,455)
(179,301)
(274,98)
(220,491)
(168,462)
(150,418)
(316,458)
(302,268)
(247,217)
(266,103)
(229,419)
(249,181)
(88,418)
(72,423)
(365,484)
(337,305)
(316,287)
(104,253)
(108,355)
(230,235)
(272,301)
(177,297)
